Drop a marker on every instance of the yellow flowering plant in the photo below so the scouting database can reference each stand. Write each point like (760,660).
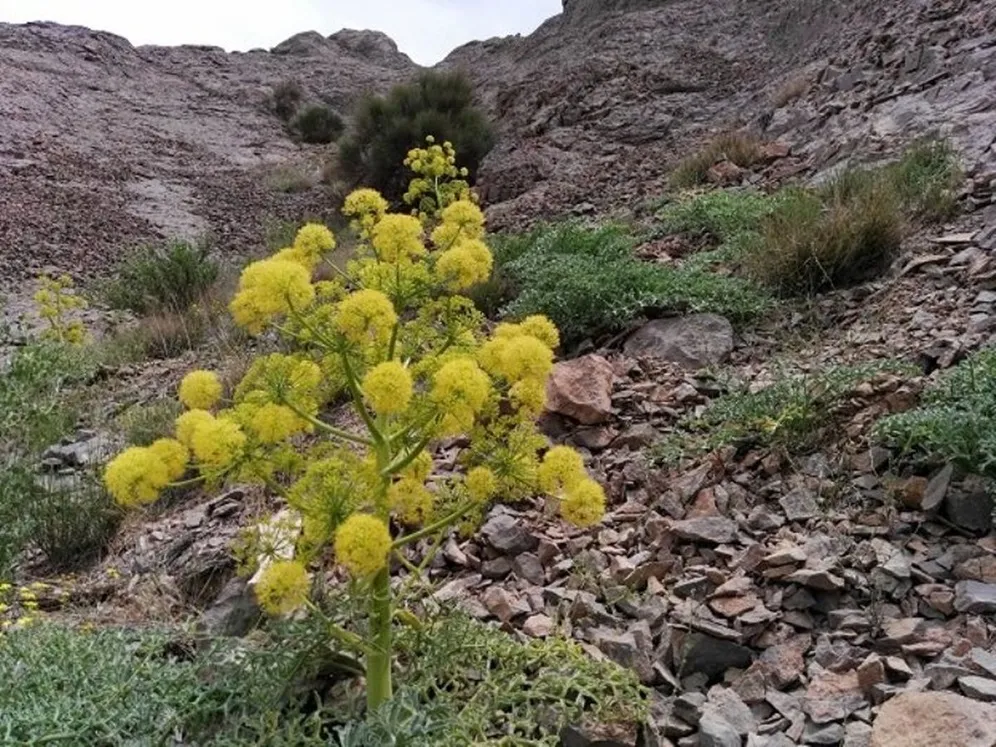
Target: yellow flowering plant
(438,181)
(395,338)
(57,304)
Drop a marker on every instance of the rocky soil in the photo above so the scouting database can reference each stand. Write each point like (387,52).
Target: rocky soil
(770,599)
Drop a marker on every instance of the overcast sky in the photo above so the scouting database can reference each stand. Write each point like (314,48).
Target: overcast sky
(427,30)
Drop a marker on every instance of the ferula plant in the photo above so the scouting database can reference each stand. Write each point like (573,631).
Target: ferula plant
(57,303)
(395,337)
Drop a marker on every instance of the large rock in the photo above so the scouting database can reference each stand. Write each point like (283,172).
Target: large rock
(692,341)
(933,719)
(581,389)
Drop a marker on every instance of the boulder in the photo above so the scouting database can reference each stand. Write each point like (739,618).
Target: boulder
(693,341)
(581,389)
(934,719)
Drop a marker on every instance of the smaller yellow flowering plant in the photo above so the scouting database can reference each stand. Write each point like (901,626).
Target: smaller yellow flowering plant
(58,304)
(438,181)
(394,336)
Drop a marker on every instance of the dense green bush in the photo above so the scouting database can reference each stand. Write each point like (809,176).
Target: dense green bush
(318,124)
(956,419)
(588,282)
(385,128)
(162,279)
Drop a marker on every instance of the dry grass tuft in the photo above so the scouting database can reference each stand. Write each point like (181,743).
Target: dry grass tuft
(738,148)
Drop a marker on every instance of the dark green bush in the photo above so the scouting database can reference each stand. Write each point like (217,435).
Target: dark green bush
(385,128)
(956,419)
(286,98)
(162,279)
(318,124)
(588,282)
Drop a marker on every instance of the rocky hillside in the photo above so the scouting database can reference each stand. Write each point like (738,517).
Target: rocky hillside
(105,144)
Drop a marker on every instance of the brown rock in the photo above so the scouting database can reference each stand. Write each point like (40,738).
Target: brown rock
(725,172)
(832,696)
(581,389)
(932,719)
(692,341)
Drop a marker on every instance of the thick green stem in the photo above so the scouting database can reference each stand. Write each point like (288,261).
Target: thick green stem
(379,687)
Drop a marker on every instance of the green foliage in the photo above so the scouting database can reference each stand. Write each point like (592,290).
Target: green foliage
(587,281)
(318,124)
(116,687)
(286,98)
(468,683)
(724,214)
(143,424)
(926,180)
(795,413)
(812,244)
(70,519)
(159,336)
(956,420)
(743,150)
(385,128)
(162,279)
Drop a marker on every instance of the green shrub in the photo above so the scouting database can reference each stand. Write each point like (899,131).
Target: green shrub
(385,128)
(795,413)
(165,279)
(723,214)
(811,244)
(587,281)
(70,519)
(926,180)
(743,150)
(286,98)
(318,124)
(956,419)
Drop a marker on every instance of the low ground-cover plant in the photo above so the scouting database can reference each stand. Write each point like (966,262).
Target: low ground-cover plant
(956,419)
(393,335)
(795,413)
(738,148)
(167,279)
(385,128)
(587,280)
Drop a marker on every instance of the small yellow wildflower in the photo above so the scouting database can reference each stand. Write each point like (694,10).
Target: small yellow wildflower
(517,358)
(411,501)
(362,544)
(312,242)
(561,468)
(388,388)
(583,503)
(529,396)
(366,316)
(460,389)
(173,454)
(189,422)
(461,220)
(465,265)
(282,587)
(397,237)
(420,467)
(200,390)
(542,329)
(366,207)
(481,484)
(218,443)
(136,476)
(273,423)
(268,289)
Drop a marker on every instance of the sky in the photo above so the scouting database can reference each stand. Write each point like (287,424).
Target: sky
(427,30)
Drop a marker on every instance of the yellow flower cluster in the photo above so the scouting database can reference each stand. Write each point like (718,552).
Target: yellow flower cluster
(438,181)
(465,265)
(396,238)
(519,357)
(200,390)
(460,389)
(312,242)
(365,317)
(269,289)
(136,476)
(562,472)
(365,207)
(481,484)
(460,220)
(282,587)
(388,388)
(362,544)
(410,500)
(217,442)
(56,301)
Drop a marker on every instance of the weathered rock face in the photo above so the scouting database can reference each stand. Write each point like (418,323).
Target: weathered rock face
(933,720)
(106,144)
